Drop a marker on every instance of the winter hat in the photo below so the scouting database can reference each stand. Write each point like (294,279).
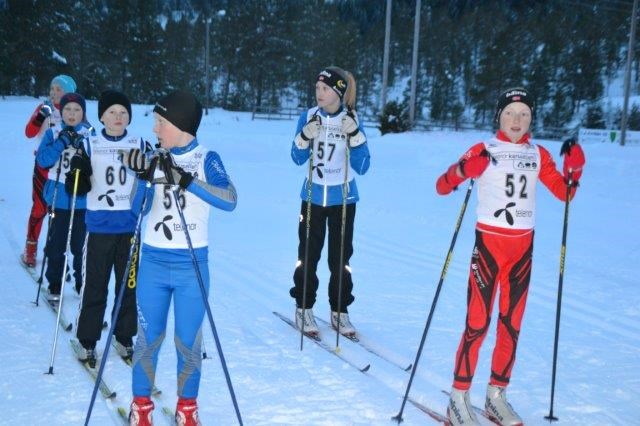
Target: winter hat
(515,94)
(65,82)
(113,97)
(181,109)
(73,97)
(333,79)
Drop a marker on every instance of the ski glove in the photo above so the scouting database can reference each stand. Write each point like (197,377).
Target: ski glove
(43,113)
(136,161)
(474,166)
(311,130)
(81,161)
(574,159)
(69,137)
(176,174)
(351,127)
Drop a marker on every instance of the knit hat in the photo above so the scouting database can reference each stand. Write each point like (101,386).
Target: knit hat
(515,94)
(65,82)
(73,97)
(113,97)
(332,78)
(181,109)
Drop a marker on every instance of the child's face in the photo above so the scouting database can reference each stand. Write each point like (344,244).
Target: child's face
(55,93)
(515,120)
(115,119)
(72,114)
(168,135)
(326,97)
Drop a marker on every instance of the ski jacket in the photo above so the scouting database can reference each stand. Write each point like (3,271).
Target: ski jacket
(51,155)
(329,151)
(163,233)
(507,188)
(108,205)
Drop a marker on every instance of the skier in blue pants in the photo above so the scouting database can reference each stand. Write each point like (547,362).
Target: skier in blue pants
(166,269)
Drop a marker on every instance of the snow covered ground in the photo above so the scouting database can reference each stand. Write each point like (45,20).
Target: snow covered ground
(403,230)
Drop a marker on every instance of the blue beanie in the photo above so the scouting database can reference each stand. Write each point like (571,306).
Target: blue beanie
(65,82)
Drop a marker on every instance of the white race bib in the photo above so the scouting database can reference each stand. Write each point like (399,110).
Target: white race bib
(164,227)
(111,182)
(507,190)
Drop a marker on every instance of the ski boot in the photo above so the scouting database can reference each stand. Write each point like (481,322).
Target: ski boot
(346,328)
(310,326)
(29,255)
(141,411)
(187,412)
(460,412)
(499,409)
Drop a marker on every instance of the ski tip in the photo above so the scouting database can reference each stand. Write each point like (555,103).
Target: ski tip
(68,327)
(409,367)
(112,395)
(366,368)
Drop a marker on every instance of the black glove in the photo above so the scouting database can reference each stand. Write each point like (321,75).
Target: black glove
(69,137)
(176,174)
(81,161)
(567,144)
(136,161)
(84,182)
(43,113)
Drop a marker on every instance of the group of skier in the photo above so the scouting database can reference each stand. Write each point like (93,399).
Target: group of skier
(106,179)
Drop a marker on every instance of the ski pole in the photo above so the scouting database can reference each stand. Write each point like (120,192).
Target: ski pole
(52,216)
(167,163)
(563,249)
(343,226)
(398,417)
(64,269)
(118,303)
(305,266)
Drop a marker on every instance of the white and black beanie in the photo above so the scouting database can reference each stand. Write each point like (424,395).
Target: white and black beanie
(332,78)
(181,109)
(515,94)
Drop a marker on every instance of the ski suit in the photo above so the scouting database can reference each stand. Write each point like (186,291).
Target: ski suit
(39,207)
(502,254)
(52,155)
(328,174)
(110,224)
(166,268)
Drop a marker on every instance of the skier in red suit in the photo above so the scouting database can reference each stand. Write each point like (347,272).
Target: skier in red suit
(45,116)
(506,169)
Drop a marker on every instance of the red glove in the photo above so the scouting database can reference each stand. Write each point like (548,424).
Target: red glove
(573,158)
(474,166)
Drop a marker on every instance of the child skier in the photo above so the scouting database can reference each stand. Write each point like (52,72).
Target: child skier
(333,128)
(55,153)
(45,116)
(506,168)
(110,224)
(166,267)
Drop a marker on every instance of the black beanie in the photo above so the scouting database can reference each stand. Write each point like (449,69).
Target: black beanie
(181,109)
(113,97)
(515,94)
(332,78)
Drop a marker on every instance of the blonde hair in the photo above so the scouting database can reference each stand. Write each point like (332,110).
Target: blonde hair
(349,99)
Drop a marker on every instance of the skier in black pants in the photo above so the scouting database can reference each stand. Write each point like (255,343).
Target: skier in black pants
(56,149)
(333,128)
(110,225)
